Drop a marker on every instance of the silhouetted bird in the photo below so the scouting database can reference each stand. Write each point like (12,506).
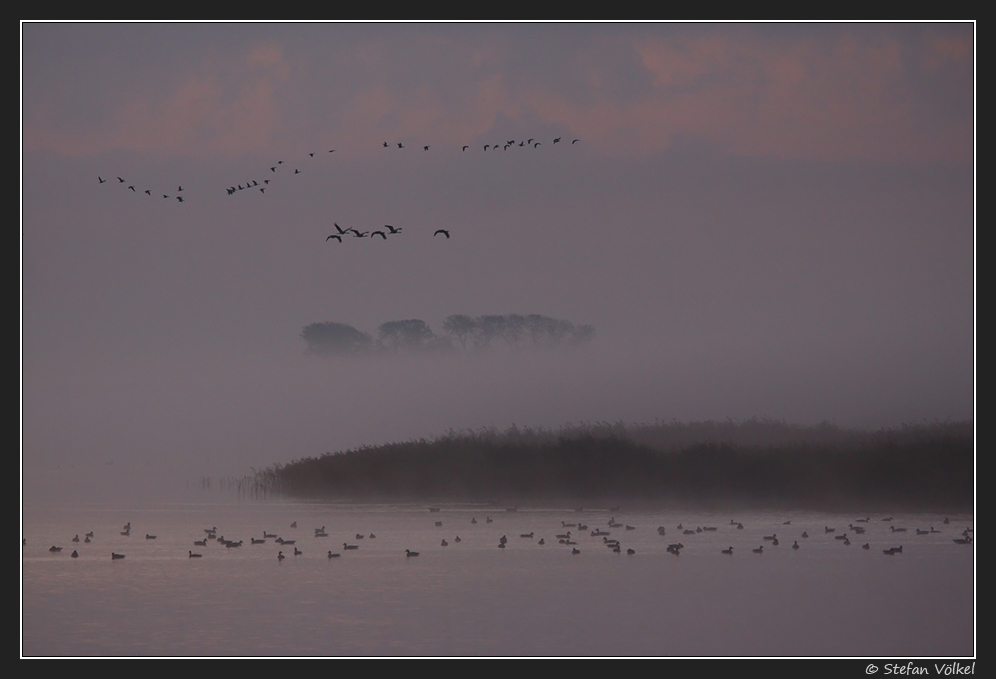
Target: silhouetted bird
(441,231)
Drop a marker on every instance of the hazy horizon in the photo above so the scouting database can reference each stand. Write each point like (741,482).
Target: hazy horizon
(759,220)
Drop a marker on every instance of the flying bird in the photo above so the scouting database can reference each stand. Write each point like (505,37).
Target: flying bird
(441,231)
(379,233)
(464,148)
(392,229)
(104,181)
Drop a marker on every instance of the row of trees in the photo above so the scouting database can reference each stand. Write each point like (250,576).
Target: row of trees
(481,333)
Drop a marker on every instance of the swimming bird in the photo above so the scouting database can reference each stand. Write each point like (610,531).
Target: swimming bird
(333,556)
(444,543)
(75,555)
(759,550)
(409,553)
(345,546)
(77,538)
(191,555)
(280,556)
(728,551)
(297,552)
(575,551)
(53,548)
(116,556)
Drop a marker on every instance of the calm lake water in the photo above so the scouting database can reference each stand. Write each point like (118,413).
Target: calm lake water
(471,598)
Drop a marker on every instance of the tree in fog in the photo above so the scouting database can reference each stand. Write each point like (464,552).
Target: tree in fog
(513,328)
(335,338)
(488,328)
(412,335)
(582,334)
(461,327)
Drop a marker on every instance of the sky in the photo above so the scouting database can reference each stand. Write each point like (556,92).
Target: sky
(760,220)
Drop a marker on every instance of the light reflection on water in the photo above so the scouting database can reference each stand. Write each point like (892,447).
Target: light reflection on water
(472,598)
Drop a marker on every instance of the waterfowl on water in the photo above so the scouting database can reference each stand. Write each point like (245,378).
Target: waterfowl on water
(191,555)
(333,556)
(280,556)
(116,556)
(409,553)
(728,551)
(75,555)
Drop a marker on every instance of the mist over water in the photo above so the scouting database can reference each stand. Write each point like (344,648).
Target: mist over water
(742,250)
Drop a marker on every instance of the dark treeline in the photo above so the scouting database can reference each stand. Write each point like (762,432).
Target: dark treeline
(757,463)
(460,333)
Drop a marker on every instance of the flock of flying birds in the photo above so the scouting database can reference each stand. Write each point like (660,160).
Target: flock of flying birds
(281,168)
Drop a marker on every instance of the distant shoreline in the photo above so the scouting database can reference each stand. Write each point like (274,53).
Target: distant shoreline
(754,464)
